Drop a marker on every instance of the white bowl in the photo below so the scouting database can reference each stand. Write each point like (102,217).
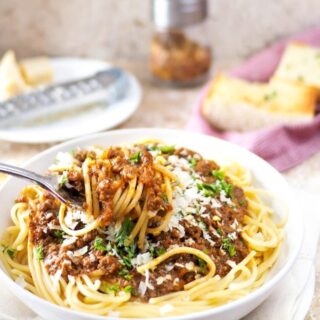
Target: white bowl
(264,175)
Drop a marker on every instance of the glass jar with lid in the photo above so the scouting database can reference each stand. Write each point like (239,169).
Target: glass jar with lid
(179,52)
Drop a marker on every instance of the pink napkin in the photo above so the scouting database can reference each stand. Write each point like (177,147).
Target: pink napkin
(283,146)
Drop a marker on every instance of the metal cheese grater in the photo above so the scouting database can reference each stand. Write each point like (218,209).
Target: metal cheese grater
(107,86)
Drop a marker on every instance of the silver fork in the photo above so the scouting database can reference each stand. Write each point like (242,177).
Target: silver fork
(49,183)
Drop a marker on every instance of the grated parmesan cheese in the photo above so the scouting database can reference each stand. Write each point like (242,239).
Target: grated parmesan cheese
(81,251)
(142,288)
(160,280)
(148,284)
(224,198)
(231,263)
(141,259)
(174,223)
(53,226)
(57,276)
(233,235)
(190,266)
(69,241)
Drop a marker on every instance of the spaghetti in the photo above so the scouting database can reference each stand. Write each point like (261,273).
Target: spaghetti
(163,231)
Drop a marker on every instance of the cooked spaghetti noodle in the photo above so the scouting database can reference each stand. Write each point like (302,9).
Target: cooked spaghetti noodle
(162,232)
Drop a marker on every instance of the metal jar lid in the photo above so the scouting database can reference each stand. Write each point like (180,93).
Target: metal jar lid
(178,13)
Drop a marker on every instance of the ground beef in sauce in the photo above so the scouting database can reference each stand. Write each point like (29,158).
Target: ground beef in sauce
(174,273)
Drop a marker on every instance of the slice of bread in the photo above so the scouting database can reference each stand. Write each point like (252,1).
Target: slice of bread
(36,71)
(11,80)
(234,104)
(300,63)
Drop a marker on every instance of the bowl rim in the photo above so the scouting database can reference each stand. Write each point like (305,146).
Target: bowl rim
(266,288)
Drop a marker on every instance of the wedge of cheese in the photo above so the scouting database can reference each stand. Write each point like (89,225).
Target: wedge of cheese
(234,104)
(11,80)
(300,63)
(36,71)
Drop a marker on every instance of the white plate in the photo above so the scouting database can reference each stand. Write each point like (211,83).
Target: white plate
(263,174)
(92,119)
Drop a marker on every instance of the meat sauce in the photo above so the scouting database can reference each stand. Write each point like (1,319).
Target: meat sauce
(214,227)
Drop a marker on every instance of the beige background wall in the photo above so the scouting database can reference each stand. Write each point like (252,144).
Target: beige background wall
(121,28)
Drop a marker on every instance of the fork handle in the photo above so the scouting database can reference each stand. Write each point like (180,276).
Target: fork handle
(40,180)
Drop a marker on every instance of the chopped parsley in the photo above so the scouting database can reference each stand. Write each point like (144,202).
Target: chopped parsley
(218,174)
(219,231)
(136,157)
(125,251)
(165,198)
(160,251)
(208,190)
(126,228)
(203,226)
(63,179)
(226,187)
(109,288)
(9,251)
(58,234)
(39,252)
(128,289)
(193,162)
(270,96)
(156,252)
(153,148)
(202,266)
(124,273)
(100,245)
(167,149)
(223,185)
(242,203)
(229,246)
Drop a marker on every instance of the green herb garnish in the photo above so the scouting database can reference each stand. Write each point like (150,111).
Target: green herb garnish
(167,149)
(59,234)
(229,246)
(193,162)
(227,188)
(224,185)
(160,251)
(100,245)
(165,198)
(202,225)
(219,231)
(136,157)
(124,273)
(128,289)
(9,251)
(39,252)
(218,174)
(109,288)
(153,148)
(270,96)
(126,228)
(242,203)
(125,251)
(208,190)
(63,180)
(202,266)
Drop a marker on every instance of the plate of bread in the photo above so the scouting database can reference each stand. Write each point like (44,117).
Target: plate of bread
(18,78)
(289,97)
